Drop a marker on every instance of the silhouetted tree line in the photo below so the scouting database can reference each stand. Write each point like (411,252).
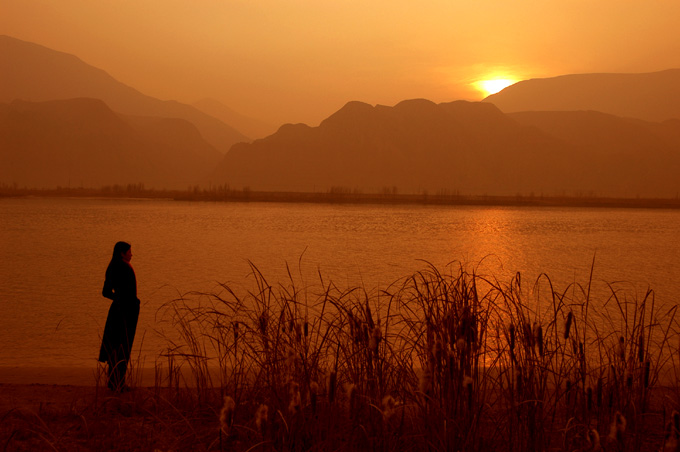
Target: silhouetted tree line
(340,194)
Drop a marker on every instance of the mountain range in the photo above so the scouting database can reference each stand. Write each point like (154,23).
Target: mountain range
(463,147)
(653,96)
(35,73)
(83,143)
(63,122)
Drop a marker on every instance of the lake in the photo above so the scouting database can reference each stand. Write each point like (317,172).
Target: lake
(55,252)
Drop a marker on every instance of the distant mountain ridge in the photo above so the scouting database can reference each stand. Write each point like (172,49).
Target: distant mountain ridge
(251,127)
(82,142)
(65,123)
(653,96)
(462,147)
(36,73)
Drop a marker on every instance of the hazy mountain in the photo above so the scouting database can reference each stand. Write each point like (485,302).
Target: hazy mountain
(82,142)
(617,156)
(35,73)
(653,96)
(253,128)
(472,148)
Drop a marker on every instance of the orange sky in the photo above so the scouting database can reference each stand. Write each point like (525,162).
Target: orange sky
(301,60)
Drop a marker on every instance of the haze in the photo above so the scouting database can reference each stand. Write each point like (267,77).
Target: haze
(299,61)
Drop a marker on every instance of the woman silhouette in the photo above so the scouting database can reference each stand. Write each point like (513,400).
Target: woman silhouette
(120,286)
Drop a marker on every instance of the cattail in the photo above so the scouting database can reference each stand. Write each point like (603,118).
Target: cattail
(568,391)
(236,331)
(437,354)
(227,414)
(352,327)
(622,348)
(641,349)
(376,337)
(305,328)
(670,443)
(570,318)
(589,398)
(645,380)
(261,418)
(369,316)
(332,385)
(353,400)
(298,332)
(313,391)
(467,384)
(263,321)
(672,434)
(598,390)
(539,340)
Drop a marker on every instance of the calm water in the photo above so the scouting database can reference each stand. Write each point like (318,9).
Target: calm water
(55,252)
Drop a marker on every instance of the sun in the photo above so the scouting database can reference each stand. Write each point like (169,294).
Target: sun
(490,87)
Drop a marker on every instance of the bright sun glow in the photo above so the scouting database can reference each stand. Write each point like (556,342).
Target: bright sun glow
(490,87)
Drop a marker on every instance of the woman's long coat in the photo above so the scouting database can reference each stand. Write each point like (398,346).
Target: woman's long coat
(120,286)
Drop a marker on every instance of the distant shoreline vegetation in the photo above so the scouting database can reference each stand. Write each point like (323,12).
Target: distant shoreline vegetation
(343,195)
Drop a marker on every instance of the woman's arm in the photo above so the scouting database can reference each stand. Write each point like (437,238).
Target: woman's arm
(107,291)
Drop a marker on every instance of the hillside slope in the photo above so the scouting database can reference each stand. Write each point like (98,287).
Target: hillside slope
(35,73)
(82,142)
(651,96)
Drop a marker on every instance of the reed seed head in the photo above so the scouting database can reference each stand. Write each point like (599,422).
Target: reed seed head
(594,440)
(672,434)
(261,418)
(227,414)
(460,344)
(388,406)
(295,398)
(425,383)
(617,428)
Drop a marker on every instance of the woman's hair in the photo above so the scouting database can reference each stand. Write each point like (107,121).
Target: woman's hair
(119,249)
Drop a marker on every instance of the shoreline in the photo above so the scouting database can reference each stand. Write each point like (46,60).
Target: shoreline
(65,376)
(348,197)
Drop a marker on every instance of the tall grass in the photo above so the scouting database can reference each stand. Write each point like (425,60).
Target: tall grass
(440,360)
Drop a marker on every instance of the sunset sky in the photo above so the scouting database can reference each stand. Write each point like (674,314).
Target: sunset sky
(299,61)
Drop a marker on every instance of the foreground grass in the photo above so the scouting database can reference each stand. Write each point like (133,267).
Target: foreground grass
(439,361)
